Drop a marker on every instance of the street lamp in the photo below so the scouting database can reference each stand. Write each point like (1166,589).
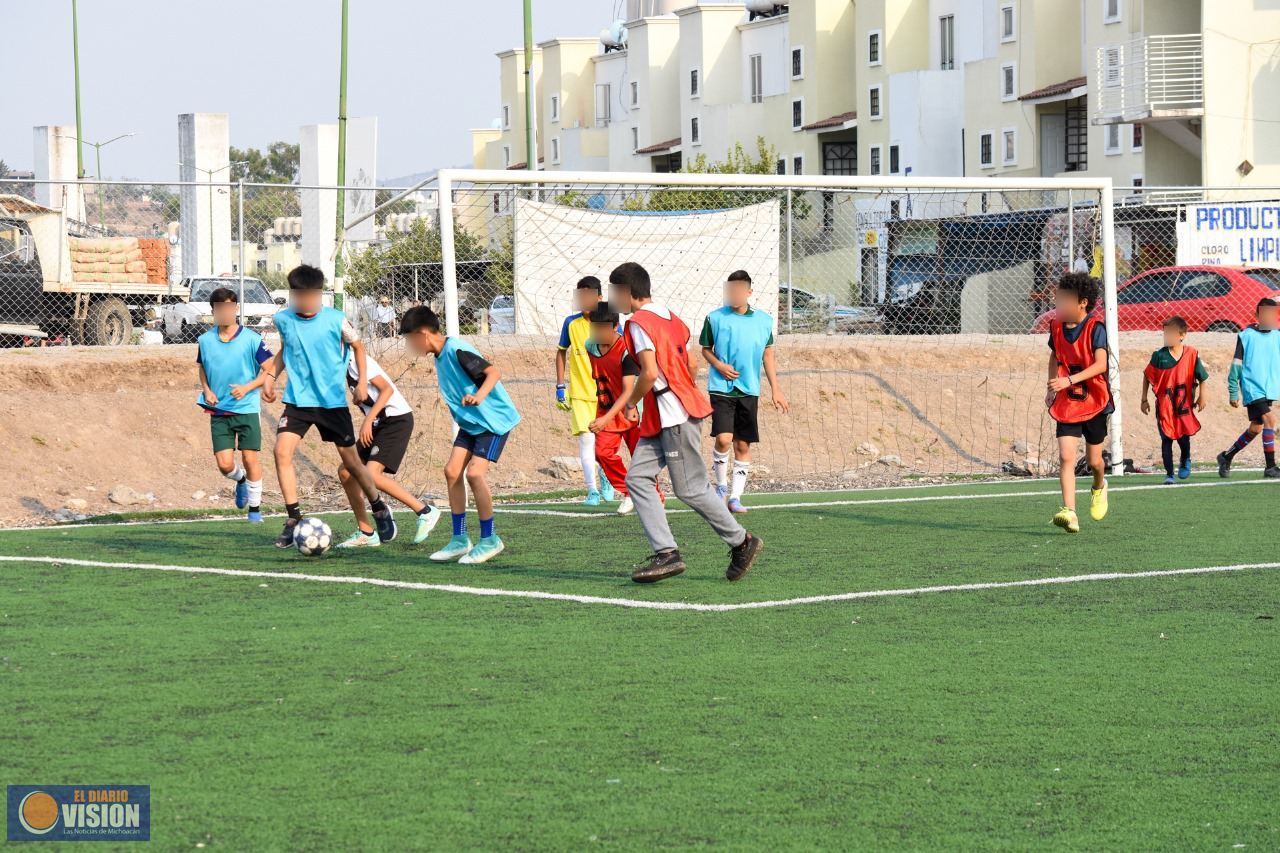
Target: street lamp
(97,149)
(209,173)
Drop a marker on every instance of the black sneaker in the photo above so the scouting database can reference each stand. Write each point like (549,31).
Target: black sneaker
(743,557)
(1271,473)
(285,539)
(386,524)
(1224,464)
(663,565)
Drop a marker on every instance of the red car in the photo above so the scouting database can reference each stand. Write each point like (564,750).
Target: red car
(1209,298)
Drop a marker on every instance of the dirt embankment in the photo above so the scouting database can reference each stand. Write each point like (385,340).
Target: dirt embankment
(78,422)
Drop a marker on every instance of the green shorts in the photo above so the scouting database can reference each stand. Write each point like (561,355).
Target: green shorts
(236,432)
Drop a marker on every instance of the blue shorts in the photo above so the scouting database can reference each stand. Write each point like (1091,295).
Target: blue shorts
(486,445)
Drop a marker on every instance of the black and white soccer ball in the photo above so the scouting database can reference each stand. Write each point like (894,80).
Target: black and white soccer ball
(312,537)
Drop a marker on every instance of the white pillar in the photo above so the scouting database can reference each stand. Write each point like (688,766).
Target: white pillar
(204,140)
(362,171)
(55,160)
(318,166)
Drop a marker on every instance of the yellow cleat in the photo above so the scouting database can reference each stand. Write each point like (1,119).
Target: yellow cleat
(1098,503)
(1067,520)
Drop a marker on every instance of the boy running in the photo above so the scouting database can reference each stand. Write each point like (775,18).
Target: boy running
(1255,376)
(485,416)
(736,341)
(671,424)
(315,343)
(1079,396)
(1177,375)
(578,398)
(231,365)
(382,443)
(617,421)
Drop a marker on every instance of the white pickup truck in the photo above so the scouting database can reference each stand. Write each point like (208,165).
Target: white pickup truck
(184,321)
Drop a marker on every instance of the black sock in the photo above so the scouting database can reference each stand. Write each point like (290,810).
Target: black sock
(294,512)
(378,505)
(255,509)
(368,532)
(425,510)
(1166,455)
(1271,458)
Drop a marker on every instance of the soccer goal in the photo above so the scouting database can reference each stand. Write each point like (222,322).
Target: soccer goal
(910,314)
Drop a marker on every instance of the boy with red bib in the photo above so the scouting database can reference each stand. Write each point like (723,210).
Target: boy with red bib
(1177,375)
(616,422)
(1079,396)
(671,428)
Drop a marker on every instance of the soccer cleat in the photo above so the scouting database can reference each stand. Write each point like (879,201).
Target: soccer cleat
(427,521)
(1184,469)
(662,565)
(1067,520)
(386,524)
(1169,480)
(743,557)
(242,494)
(255,517)
(285,539)
(1224,464)
(607,492)
(486,549)
(1271,473)
(721,492)
(360,539)
(1098,503)
(593,498)
(458,546)
(626,507)
(736,507)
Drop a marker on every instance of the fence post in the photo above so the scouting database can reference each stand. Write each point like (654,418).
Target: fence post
(791,283)
(1071,232)
(448,254)
(240,217)
(1107,204)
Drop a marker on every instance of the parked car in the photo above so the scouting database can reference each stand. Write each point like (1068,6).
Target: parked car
(183,322)
(502,315)
(802,311)
(1209,298)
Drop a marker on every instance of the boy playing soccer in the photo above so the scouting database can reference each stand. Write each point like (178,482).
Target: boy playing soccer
(314,346)
(671,424)
(1177,375)
(382,442)
(1255,377)
(485,416)
(578,398)
(617,421)
(1079,396)
(736,340)
(231,364)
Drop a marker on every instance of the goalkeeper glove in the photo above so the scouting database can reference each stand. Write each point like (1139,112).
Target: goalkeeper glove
(562,403)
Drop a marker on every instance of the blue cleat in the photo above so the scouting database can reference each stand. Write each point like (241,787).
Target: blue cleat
(385,523)
(360,539)
(1169,481)
(255,518)
(458,546)
(593,498)
(736,507)
(486,549)
(427,521)
(607,493)
(242,494)
(1184,470)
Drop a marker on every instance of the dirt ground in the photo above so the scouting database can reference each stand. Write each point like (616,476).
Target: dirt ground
(81,422)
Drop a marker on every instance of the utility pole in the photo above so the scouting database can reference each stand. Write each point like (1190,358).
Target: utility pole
(530,112)
(75,54)
(339,270)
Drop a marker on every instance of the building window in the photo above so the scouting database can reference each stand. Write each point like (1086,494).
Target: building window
(782,166)
(506,156)
(893,160)
(555,107)
(1137,183)
(635,138)
(875,159)
(873,47)
(506,117)
(873,102)
(985,156)
(1008,31)
(1112,144)
(1135,141)
(1009,146)
(1077,136)
(757,77)
(797,63)
(1008,81)
(555,149)
(797,114)
(1110,11)
(839,158)
(797,165)
(1111,66)
(695,131)
(947,42)
(604,104)
(694,84)
(635,94)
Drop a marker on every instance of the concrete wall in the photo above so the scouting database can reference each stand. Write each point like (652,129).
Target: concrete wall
(55,160)
(318,166)
(1242,92)
(204,140)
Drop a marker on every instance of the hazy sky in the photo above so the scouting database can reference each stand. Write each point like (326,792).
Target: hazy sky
(425,68)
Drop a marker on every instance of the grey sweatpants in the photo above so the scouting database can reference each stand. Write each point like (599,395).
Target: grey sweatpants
(679,448)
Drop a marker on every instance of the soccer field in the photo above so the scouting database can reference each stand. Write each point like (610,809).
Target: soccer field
(935,667)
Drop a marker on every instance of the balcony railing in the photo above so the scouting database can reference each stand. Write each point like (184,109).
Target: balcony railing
(1150,77)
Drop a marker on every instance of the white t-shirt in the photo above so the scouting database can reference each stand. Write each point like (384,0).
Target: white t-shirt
(670,411)
(398,405)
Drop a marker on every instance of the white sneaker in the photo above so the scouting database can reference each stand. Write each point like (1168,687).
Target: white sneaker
(626,506)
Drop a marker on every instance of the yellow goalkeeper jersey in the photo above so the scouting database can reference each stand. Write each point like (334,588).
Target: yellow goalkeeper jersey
(574,335)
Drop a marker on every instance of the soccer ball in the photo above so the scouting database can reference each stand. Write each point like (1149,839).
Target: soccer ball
(312,536)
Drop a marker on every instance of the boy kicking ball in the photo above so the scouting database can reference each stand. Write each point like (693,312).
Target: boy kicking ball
(1079,396)
(485,416)
(232,369)
(382,443)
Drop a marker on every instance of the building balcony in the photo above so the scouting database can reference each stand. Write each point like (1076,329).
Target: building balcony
(1150,78)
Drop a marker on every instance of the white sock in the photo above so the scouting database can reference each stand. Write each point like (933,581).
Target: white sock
(740,471)
(236,474)
(720,467)
(587,453)
(255,492)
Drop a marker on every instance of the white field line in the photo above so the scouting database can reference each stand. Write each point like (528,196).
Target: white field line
(638,603)
(516,509)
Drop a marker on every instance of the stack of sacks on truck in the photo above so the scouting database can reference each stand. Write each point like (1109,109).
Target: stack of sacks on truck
(113,260)
(155,253)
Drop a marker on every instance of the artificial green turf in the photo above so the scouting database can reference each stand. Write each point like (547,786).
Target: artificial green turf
(304,716)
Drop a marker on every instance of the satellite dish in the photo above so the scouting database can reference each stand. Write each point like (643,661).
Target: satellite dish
(614,37)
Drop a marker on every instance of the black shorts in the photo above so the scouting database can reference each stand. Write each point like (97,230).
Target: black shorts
(736,415)
(1094,430)
(334,424)
(1257,409)
(390,442)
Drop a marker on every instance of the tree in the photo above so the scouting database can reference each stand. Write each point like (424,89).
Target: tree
(278,165)
(4,169)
